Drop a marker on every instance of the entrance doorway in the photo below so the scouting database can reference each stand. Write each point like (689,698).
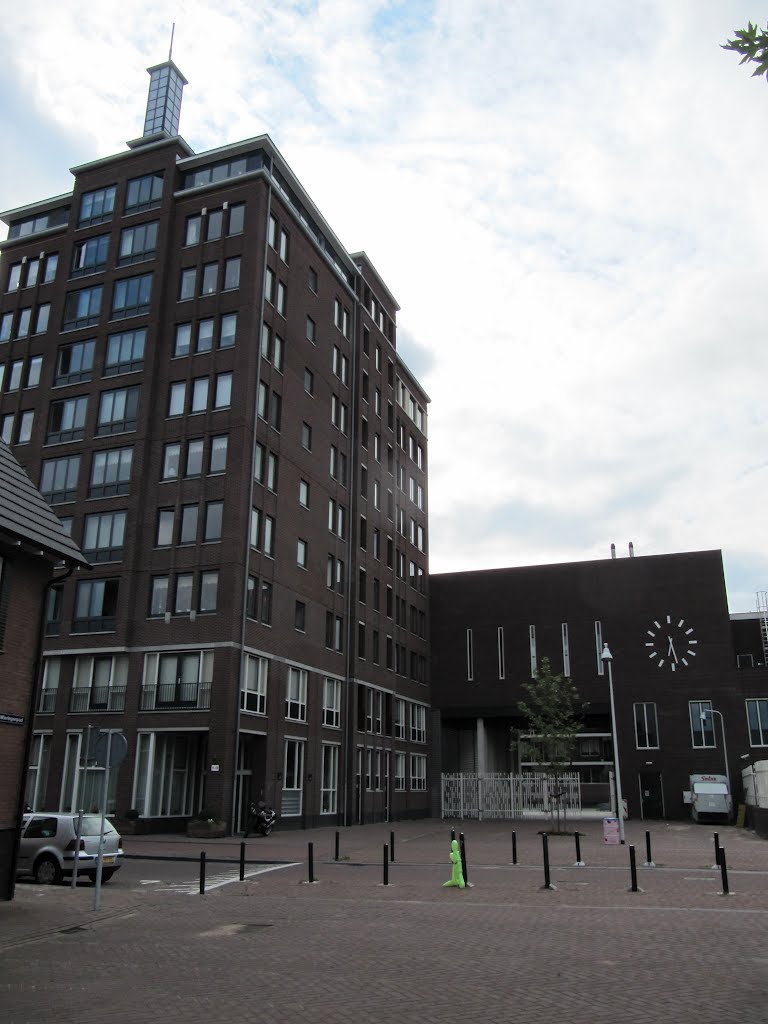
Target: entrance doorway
(651,795)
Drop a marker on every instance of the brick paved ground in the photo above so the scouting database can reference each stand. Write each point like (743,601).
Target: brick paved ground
(277,949)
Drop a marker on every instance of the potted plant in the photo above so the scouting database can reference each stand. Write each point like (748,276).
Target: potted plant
(205,825)
(132,824)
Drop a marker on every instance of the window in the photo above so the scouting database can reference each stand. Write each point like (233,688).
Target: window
(312,279)
(566,648)
(118,411)
(266,603)
(158,601)
(33,272)
(210,278)
(171,458)
(334,632)
(757,721)
(300,617)
(187,286)
(702,723)
(418,772)
(90,256)
(26,419)
(82,308)
(183,602)
(418,723)
(131,297)
(339,413)
(125,352)
(214,225)
(272,231)
(282,299)
(96,206)
(232,273)
(177,398)
(646,726)
(214,518)
(164,533)
(14,377)
(194,463)
(6,324)
(75,362)
(192,234)
(228,330)
(255,530)
(330,779)
(337,518)
(532,650)
(144,193)
(209,588)
(22,328)
(341,367)
(399,719)
(236,219)
(199,395)
(301,553)
(103,536)
(188,527)
(284,242)
(66,420)
(311,330)
(499,643)
(183,343)
(332,702)
(304,493)
(399,771)
(138,243)
(43,317)
(58,479)
(51,266)
(296,695)
(217,462)
(306,436)
(253,695)
(14,278)
(111,473)
(223,390)
(95,606)
(269,536)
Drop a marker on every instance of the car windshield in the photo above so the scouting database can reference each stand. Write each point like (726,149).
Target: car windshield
(92,825)
(710,787)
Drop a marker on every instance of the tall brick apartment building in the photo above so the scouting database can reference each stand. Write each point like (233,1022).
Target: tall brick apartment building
(205,385)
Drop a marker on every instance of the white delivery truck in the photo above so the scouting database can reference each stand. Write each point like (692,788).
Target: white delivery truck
(709,797)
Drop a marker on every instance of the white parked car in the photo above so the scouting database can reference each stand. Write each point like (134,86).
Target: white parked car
(48,841)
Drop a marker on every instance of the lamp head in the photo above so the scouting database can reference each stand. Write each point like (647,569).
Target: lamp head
(606,655)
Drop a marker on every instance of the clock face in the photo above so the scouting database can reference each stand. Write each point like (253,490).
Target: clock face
(671,643)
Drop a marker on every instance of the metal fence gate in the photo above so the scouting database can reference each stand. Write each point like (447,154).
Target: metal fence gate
(500,795)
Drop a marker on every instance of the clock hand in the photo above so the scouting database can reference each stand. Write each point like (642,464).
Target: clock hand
(671,649)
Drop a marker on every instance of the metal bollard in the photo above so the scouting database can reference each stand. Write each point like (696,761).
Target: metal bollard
(723,872)
(633,870)
(579,862)
(648,856)
(514,847)
(386,864)
(242,862)
(717,850)
(545,848)
(463,858)
(392,847)
(311,859)
(202,872)
(453,834)
(336,853)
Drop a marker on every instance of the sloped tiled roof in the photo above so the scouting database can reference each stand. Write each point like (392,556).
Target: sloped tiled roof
(27,517)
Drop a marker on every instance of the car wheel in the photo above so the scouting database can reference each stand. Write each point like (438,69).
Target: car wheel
(106,874)
(47,871)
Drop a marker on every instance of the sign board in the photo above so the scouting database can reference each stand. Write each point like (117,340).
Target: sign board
(11,719)
(611,831)
(114,745)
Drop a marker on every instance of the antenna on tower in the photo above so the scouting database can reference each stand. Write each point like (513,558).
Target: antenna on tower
(170,48)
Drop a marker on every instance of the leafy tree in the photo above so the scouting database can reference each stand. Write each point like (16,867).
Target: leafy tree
(555,713)
(752,43)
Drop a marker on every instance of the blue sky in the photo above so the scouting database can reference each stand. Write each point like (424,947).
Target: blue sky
(567,200)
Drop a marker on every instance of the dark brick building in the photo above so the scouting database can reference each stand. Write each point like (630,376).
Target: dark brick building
(34,553)
(205,385)
(676,654)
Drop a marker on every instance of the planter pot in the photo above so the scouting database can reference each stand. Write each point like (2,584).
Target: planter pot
(133,827)
(206,829)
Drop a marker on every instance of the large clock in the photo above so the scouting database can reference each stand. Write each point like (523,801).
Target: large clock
(671,643)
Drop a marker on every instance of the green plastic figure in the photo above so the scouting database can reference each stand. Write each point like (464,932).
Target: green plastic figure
(457,875)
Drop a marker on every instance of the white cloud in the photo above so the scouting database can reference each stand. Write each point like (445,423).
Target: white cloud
(566,199)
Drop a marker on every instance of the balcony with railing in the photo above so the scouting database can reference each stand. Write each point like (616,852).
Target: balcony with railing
(98,698)
(46,703)
(178,696)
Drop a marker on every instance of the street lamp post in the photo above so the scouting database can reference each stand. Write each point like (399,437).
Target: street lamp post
(711,711)
(607,659)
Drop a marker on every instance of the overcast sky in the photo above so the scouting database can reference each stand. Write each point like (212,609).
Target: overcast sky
(568,200)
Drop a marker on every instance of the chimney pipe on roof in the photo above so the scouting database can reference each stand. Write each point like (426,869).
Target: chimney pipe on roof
(631,550)
(613,550)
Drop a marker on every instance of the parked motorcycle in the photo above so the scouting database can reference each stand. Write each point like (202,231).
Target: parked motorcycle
(261,819)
